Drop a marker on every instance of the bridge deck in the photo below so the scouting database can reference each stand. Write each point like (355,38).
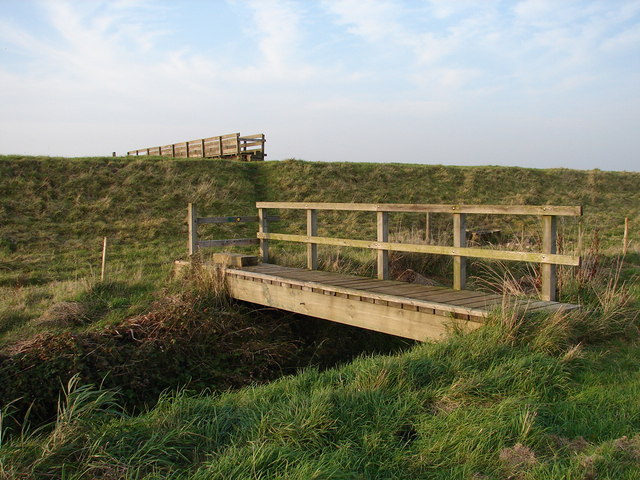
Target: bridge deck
(409,310)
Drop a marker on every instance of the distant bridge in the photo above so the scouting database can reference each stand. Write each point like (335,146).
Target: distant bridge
(231,146)
(408,310)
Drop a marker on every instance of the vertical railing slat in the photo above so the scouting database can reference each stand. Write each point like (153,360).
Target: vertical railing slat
(383,236)
(549,279)
(263,227)
(459,240)
(312,231)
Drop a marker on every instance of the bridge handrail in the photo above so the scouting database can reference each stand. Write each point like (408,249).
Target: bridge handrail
(548,258)
(195,244)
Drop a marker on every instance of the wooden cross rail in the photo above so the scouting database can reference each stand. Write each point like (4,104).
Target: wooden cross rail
(195,244)
(548,258)
(233,145)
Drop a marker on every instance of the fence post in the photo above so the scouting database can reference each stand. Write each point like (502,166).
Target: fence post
(203,148)
(383,236)
(312,231)
(459,262)
(549,280)
(192,220)
(263,227)
(187,148)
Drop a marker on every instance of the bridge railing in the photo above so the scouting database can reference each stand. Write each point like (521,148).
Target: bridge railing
(548,258)
(194,242)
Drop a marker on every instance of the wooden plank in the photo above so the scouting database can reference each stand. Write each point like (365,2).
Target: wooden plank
(383,236)
(228,242)
(312,231)
(405,290)
(424,208)
(376,296)
(432,249)
(481,302)
(459,241)
(416,325)
(235,219)
(549,279)
(448,296)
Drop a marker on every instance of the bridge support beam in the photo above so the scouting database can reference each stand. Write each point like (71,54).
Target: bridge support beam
(416,324)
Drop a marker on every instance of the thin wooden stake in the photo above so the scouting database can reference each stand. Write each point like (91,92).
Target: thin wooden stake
(104,260)
(625,239)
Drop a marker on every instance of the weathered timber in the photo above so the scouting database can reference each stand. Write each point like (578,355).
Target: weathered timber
(572,211)
(382,318)
(433,249)
(234,219)
(233,145)
(234,259)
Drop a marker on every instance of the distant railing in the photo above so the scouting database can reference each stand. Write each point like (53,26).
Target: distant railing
(247,148)
(548,258)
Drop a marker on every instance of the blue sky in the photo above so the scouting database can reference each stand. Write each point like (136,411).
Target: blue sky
(536,83)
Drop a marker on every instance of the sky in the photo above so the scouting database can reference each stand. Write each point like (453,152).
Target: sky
(532,83)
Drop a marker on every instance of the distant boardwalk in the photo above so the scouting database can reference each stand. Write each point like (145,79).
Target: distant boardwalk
(232,146)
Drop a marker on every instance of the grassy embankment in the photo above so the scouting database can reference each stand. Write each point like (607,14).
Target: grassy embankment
(505,401)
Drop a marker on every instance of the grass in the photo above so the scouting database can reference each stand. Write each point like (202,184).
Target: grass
(538,398)
(475,406)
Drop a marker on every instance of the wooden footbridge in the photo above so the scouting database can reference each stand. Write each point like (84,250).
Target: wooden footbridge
(409,310)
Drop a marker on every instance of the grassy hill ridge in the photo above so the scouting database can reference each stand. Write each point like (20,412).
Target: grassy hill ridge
(556,396)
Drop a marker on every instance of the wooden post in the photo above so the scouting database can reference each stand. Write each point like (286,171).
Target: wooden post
(203,148)
(104,260)
(383,236)
(549,280)
(427,228)
(312,231)
(192,220)
(173,150)
(220,145)
(263,227)
(186,144)
(238,144)
(459,262)
(625,238)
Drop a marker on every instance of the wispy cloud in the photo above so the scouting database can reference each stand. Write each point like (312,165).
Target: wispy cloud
(125,72)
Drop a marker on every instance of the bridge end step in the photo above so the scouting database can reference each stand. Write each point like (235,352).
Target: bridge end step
(234,259)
